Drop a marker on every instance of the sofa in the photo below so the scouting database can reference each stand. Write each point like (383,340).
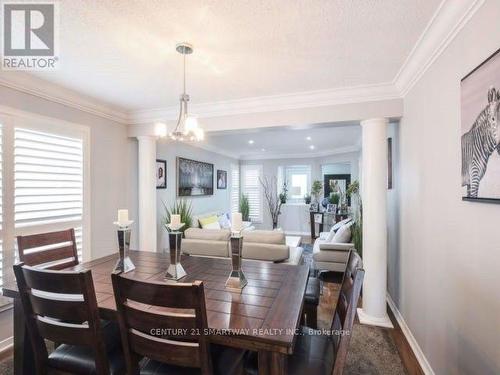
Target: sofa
(260,245)
(331,249)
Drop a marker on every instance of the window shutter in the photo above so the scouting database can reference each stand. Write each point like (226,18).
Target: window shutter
(252,188)
(48,175)
(235,188)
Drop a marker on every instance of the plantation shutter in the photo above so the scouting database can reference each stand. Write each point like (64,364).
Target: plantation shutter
(235,188)
(2,300)
(48,178)
(251,187)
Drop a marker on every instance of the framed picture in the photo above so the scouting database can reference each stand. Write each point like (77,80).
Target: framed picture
(389,163)
(480,132)
(221,179)
(331,208)
(314,207)
(342,180)
(161,174)
(194,178)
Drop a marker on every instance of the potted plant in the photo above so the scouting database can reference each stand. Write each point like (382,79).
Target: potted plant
(307,199)
(316,188)
(180,207)
(334,198)
(284,193)
(357,227)
(245,207)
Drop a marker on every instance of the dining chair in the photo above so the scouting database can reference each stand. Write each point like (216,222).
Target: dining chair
(165,331)
(316,352)
(54,250)
(61,306)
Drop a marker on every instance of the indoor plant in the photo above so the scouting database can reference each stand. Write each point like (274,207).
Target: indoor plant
(180,207)
(284,193)
(316,188)
(245,207)
(357,226)
(307,199)
(274,201)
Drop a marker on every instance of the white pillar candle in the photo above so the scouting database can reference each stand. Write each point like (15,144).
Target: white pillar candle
(175,221)
(237,222)
(122,216)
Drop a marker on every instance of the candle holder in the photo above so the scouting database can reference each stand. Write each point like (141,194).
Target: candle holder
(236,280)
(175,270)
(124,263)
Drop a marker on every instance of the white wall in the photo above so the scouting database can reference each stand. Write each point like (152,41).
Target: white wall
(295,218)
(219,202)
(449,256)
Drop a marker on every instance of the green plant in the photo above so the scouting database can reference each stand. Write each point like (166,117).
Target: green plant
(316,188)
(307,198)
(245,207)
(180,207)
(334,198)
(357,227)
(284,194)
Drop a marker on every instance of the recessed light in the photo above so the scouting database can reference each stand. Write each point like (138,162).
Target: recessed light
(312,147)
(308,138)
(263,149)
(251,142)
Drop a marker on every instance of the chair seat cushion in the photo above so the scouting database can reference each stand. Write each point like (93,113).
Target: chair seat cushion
(225,360)
(313,355)
(81,360)
(312,291)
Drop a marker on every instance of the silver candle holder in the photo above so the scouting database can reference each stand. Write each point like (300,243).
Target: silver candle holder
(124,263)
(236,280)
(175,270)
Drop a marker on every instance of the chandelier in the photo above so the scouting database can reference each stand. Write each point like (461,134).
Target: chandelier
(187,126)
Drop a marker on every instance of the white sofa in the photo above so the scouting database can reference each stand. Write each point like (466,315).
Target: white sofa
(331,255)
(260,245)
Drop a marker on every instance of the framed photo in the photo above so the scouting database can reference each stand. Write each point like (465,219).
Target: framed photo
(221,179)
(331,208)
(480,132)
(314,206)
(194,178)
(161,174)
(341,180)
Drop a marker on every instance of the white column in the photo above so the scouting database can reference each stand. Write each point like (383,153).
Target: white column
(147,192)
(374,198)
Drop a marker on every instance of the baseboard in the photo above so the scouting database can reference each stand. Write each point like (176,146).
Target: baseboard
(419,354)
(6,346)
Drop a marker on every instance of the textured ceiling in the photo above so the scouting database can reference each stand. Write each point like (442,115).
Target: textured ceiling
(123,52)
(324,139)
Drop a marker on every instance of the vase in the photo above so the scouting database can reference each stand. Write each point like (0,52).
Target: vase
(237,279)
(124,263)
(175,270)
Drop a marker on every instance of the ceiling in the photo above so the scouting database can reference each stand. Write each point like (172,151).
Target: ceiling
(123,52)
(275,143)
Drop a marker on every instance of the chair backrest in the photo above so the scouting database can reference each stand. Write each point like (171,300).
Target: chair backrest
(173,330)
(61,307)
(55,250)
(345,312)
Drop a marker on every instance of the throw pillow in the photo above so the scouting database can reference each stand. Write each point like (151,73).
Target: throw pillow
(331,234)
(338,225)
(224,221)
(210,222)
(343,235)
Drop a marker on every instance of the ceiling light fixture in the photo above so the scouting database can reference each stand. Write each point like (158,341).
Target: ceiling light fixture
(312,147)
(251,142)
(187,126)
(308,138)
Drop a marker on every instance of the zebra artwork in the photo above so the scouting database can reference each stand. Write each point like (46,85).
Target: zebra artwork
(479,143)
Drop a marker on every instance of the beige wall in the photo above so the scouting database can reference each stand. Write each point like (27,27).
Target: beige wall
(449,256)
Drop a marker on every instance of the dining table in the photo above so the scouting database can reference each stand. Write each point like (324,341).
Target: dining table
(263,317)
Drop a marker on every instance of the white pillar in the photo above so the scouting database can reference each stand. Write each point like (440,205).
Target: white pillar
(147,192)
(374,198)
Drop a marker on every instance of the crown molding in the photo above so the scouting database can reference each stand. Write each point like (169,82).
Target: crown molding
(273,103)
(450,17)
(28,84)
(304,155)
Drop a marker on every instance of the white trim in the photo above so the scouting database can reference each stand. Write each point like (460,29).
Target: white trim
(40,88)
(7,344)
(450,17)
(419,354)
(272,103)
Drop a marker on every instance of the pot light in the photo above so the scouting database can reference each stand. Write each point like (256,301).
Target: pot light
(308,138)
(312,147)
(251,142)
(263,150)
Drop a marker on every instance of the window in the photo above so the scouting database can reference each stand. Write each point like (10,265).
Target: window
(298,178)
(251,187)
(43,183)
(235,188)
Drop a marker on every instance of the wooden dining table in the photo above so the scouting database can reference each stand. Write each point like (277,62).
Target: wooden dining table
(263,317)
